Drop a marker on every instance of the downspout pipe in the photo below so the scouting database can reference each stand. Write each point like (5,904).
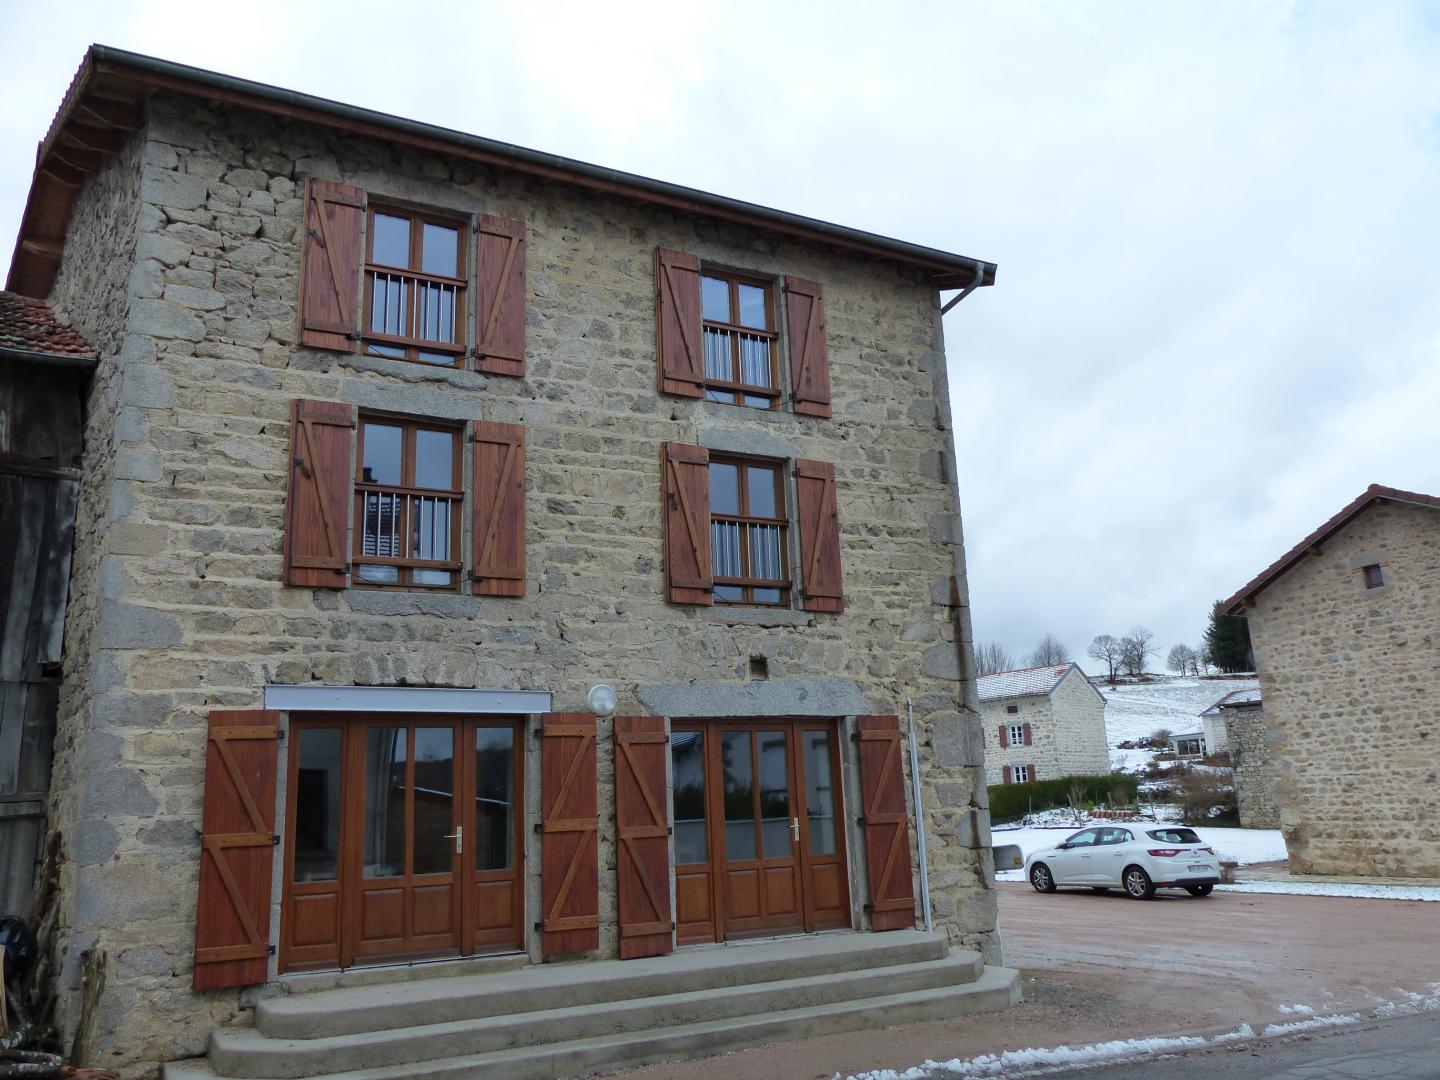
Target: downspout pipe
(919,816)
(975,284)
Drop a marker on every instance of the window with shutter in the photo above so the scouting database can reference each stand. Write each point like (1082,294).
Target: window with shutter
(315,507)
(415,286)
(819,521)
(689,577)
(498,567)
(330,265)
(739,339)
(748,530)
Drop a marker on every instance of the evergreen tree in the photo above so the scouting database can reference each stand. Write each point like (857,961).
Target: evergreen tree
(1227,642)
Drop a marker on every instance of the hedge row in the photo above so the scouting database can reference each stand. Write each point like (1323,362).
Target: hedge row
(1009,802)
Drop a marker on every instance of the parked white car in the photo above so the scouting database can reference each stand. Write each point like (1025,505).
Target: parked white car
(1138,858)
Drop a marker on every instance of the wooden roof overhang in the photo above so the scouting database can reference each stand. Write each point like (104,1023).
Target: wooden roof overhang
(106,101)
(1313,544)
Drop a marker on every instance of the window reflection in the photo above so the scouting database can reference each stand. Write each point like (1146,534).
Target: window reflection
(384,825)
(317,804)
(819,793)
(739,795)
(687,767)
(494,798)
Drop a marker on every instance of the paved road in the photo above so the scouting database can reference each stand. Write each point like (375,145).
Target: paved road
(1404,1049)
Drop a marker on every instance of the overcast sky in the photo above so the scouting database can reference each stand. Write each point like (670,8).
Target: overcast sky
(1217,317)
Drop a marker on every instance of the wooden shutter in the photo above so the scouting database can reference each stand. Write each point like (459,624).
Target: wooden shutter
(500,297)
(642,856)
(569,820)
(1007,774)
(677,323)
(689,575)
(237,847)
(820,579)
(887,825)
(809,357)
(498,530)
(317,507)
(330,264)
(1027,734)
(1004,736)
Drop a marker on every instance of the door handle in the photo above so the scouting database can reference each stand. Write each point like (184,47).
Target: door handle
(458,836)
(795,829)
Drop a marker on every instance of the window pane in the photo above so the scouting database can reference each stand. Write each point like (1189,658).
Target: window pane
(725,548)
(435,459)
(687,764)
(752,307)
(439,250)
(720,395)
(762,491)
(494,798)
(382,454)
(391,245)
(724,488)
(435,321)
(431,577)
(819,793)
(755,401)
(739,793)
(379,575)
(434,799)
(732,594)
(755,362)
(775,793)
(389,305)
(715,299)
(430,528)
(764,551)
(767,596)
(437,358)
(317,804)
(718,364)
(384,823)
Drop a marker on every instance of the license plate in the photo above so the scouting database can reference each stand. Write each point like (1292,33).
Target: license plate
(1199,869)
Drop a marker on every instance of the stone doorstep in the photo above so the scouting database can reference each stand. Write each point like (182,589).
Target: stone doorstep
(1279,871)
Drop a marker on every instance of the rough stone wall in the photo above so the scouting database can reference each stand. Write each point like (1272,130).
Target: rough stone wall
(1351,678)
(1067,732)
(1247,737)
(186,583)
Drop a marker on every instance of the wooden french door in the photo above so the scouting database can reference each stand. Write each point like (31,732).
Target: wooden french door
(759,842)
(403,839)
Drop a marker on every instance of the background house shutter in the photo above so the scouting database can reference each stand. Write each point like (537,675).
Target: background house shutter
(317,507)
(677,322)
(330,264)
(887,825)
(232,913)
(1007,774)
(1004,736)
(1027,734)
(809,357)
(820,578)
(689,575)
(500,296)
(498,533)
(569,820)
(642,827)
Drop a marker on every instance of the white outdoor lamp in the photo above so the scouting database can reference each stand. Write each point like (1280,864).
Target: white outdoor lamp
(601,700)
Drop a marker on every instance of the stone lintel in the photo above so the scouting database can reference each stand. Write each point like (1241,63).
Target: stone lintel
(773,697)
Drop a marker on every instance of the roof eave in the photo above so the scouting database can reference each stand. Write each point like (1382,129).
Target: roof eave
(48,359)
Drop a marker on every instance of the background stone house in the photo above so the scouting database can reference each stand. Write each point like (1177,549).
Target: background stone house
(1241,717)
(1346,629)
(400,441)
(1213,719)
(1042,723)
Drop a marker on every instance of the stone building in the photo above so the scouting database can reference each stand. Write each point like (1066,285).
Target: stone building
(1346,630)
(1213,720)
(1241,719)
(401,442)
(1042,723)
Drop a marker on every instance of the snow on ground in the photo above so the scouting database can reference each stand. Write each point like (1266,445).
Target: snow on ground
(1245,846)
(1331,888)
(1136,711)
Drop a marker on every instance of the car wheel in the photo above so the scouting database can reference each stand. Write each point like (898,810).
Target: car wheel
(1100,888)
(1041,878)
(1200,890)
(1138,884)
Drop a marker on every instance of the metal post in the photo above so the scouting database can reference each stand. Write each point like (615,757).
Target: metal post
(919,815)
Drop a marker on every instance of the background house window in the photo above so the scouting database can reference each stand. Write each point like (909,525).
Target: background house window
(1012,709)
(1021,774)
(1373,578)
(740,340)
(414,287)
(747,532)
(407,504)
(1017,734)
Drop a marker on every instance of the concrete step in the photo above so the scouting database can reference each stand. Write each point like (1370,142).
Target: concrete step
(250,1053)
(550,986)
(995,989)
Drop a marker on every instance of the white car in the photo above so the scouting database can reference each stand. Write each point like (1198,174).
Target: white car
(1138,858)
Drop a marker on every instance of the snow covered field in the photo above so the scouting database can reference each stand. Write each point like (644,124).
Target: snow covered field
(1134,712)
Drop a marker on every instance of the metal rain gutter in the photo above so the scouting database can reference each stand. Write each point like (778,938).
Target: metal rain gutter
(919,817)
(30,356)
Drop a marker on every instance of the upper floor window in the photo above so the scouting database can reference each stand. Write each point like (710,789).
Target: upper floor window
(414,286)
(748,532)
(408,498)
(738,330)
(1017,734)
(1373,577)
(1012,709)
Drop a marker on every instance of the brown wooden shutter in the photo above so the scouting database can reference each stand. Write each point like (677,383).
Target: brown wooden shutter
(1027,734)
(317,508)
(569,820)
(498,568)
(689,575)
(330,264)
(1007,774)
(1004,736)
(642,856)
(820,578)
(500,296)
(677,323)
(237,847)
(809,357)
(887,824)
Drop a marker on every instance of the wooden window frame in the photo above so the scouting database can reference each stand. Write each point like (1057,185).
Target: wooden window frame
(406,566)
(735,387)
(1016,776)
(1373,576)
(745,583)
(1014,740)
(413,346)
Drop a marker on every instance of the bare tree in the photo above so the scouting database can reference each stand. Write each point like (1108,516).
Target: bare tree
(1181,659)
(1106,650)
(1049,651)
(992,657)
(1135,650)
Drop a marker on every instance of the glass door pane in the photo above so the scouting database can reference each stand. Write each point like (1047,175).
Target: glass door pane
(819,793)
(384,826)
(687,766)
(432,845)
(775,794)
(317,804)
(494,798)
(737,770)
